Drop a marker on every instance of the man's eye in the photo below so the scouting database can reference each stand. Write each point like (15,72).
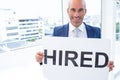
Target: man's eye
(73,10)
(81,9)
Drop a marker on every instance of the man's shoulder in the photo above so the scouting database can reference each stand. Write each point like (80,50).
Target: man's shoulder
(62,26)
(91,27)
(93,31)
(61,30)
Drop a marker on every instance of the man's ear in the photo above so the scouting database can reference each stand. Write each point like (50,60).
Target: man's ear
(68,10)
(85,11)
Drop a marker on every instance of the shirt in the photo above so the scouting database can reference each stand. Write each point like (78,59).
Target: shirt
(82,31)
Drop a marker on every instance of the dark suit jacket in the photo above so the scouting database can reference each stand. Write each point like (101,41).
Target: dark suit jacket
(92,32)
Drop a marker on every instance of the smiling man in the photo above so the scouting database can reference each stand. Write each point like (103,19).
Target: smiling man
(76,27)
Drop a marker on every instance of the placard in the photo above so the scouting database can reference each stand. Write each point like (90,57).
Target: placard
(75,58)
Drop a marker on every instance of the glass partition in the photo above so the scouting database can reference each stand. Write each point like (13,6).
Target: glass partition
(24,22)
(117,20)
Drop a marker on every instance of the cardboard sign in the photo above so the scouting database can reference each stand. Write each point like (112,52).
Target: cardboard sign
(75,58)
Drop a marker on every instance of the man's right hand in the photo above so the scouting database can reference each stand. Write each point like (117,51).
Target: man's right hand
(39,56)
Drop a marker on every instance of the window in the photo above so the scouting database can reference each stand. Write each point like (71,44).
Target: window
(117,20)
(93,15)
(28,20)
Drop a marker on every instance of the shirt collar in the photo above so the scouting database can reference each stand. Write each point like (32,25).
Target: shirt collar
(81,27)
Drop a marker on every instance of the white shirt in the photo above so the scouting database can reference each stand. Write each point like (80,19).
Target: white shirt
(82,32)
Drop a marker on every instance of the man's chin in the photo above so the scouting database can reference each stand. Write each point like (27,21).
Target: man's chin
(76,24)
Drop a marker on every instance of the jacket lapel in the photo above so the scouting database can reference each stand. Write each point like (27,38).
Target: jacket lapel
(65,30)
(89,32)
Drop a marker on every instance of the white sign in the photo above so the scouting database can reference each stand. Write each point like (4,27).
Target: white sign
(75,58)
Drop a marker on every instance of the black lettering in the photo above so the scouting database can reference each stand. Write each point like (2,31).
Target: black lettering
(72,59)
(85,59)
(98,54)
(50,57)
(60,57)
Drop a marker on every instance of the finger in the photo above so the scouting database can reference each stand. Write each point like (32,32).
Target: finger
(39,58)
(40,53)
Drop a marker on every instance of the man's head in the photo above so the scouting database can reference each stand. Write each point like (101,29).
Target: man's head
(76,11)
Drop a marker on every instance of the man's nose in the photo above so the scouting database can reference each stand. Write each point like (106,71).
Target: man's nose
(76,14)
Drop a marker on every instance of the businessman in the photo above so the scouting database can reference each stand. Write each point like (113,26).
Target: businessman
(76,27)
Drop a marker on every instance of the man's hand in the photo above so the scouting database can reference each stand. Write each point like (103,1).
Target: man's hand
(39,56)
(111,65)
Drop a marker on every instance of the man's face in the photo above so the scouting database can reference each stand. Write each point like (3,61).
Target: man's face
(76,12)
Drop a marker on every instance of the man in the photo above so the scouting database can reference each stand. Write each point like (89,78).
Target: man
(76,11)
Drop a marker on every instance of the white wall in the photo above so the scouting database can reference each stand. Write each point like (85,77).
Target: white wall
(108,31)
(20,65)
